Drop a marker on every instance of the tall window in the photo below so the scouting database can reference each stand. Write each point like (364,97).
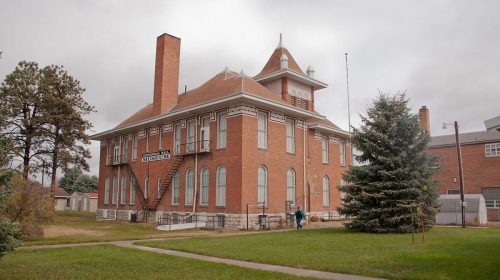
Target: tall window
(343,194)
(342,153)
(135,140)
(189,187)
(204,186)
(190,136)
(108,153)
(158,187)
(221,186)
(324,149)
(290,136)
(106,191)
(326,191)
(221,130)
(125,149)
(146,188)
(115,190)
(177,138)
(262,131)
(123,190)
(262,185)
(160,138)
(175,188)
(132,191)
(147,140)
(116,153)
(290,186)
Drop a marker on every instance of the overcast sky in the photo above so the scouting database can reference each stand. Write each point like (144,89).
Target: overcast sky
(444,54)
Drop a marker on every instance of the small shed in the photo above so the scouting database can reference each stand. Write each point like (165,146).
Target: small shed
(61,198)
(83,201)
(451,213)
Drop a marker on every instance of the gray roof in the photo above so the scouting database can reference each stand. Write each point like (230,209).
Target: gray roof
(493,123)
(466,138)
(451,202)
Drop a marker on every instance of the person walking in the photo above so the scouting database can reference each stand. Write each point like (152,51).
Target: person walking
(299,215)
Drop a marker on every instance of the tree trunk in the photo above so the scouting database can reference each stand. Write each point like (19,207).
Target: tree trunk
(26,158)
(55,158)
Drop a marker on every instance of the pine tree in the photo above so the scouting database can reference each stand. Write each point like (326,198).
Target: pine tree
(393,189)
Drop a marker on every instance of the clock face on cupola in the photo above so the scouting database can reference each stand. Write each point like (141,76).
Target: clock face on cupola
(284,77)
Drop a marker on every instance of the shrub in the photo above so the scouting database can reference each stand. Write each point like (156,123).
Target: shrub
(314,219)
(8,234)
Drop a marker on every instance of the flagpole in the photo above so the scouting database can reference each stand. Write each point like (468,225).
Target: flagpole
(348,106)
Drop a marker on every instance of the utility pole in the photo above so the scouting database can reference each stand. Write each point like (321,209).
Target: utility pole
(348,108)
(461,174)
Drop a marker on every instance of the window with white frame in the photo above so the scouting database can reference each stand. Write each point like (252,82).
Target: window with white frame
(160,138)
(343,194)
(132,191)
(158,187)
(124,149)
(146,188)
(492,150)
(262,131)
(342,153)
(221,130)
(175,188)
(290,136)
(177,138)
(108,153)
(116,153)
(262,185)
(115,190)
(135,143)
(190,136)
(324,149)
(106,191)
(123,192)
(326,191)
(290,185)
(147,140)
(221,186)
(189,187)
(204,186)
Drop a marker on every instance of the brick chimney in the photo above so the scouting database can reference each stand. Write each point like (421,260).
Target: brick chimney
(424,120)
(166,73)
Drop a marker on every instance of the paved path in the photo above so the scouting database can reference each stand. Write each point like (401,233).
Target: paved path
(245,264)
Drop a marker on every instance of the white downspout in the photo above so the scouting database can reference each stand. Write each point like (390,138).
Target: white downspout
(304,167)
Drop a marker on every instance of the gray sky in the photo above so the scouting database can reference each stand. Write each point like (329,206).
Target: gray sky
(445,54)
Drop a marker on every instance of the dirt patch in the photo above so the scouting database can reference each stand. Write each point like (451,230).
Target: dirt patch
(56,231)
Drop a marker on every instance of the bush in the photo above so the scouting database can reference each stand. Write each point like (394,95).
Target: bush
(314,219)
(8,234)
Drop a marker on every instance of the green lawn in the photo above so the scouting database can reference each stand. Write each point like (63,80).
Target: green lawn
(110,262)
(79,227)
(448,253)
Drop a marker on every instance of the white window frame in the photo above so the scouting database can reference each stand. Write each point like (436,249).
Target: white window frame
(221,183)
(343,194)
(158,187)
(189,190)
(492,150)
(123,192)
(132,192)
(146,188)
(135,146)
(160,138)
(324,150)
(147,140)
(262,130)
(106,191)
(124,149)
(290,186)
(175,188)
(326,191)
(262,187)
(177,138)
(290,136)
(221,130)
(190,136)
(115,190)
(116,153)
(108,153)
(342,153)
(204,181)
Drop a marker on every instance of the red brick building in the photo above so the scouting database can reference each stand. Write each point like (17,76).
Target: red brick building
(480,161)
(233,141)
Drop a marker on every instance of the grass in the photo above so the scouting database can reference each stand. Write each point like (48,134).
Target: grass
(111,262)
(448,253)
(81,227)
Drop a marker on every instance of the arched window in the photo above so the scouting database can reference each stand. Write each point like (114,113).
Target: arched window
(115,190)
(123,190)
(290,185)
(189,187)
(221,186)
(175,188)
(158,187)
(326,191)
(262,185)
(132,191)
(204,186)
(146,188)
(106,191)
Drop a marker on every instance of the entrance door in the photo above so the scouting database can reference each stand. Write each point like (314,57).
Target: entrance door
(205,134)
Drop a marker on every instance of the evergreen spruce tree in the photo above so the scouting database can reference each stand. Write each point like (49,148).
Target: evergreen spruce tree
(393,190)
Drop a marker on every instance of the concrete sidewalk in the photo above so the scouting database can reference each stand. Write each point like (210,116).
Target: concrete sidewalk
(245,264)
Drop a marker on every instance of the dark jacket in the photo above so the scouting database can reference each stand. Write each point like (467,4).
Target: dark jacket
(299,214)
